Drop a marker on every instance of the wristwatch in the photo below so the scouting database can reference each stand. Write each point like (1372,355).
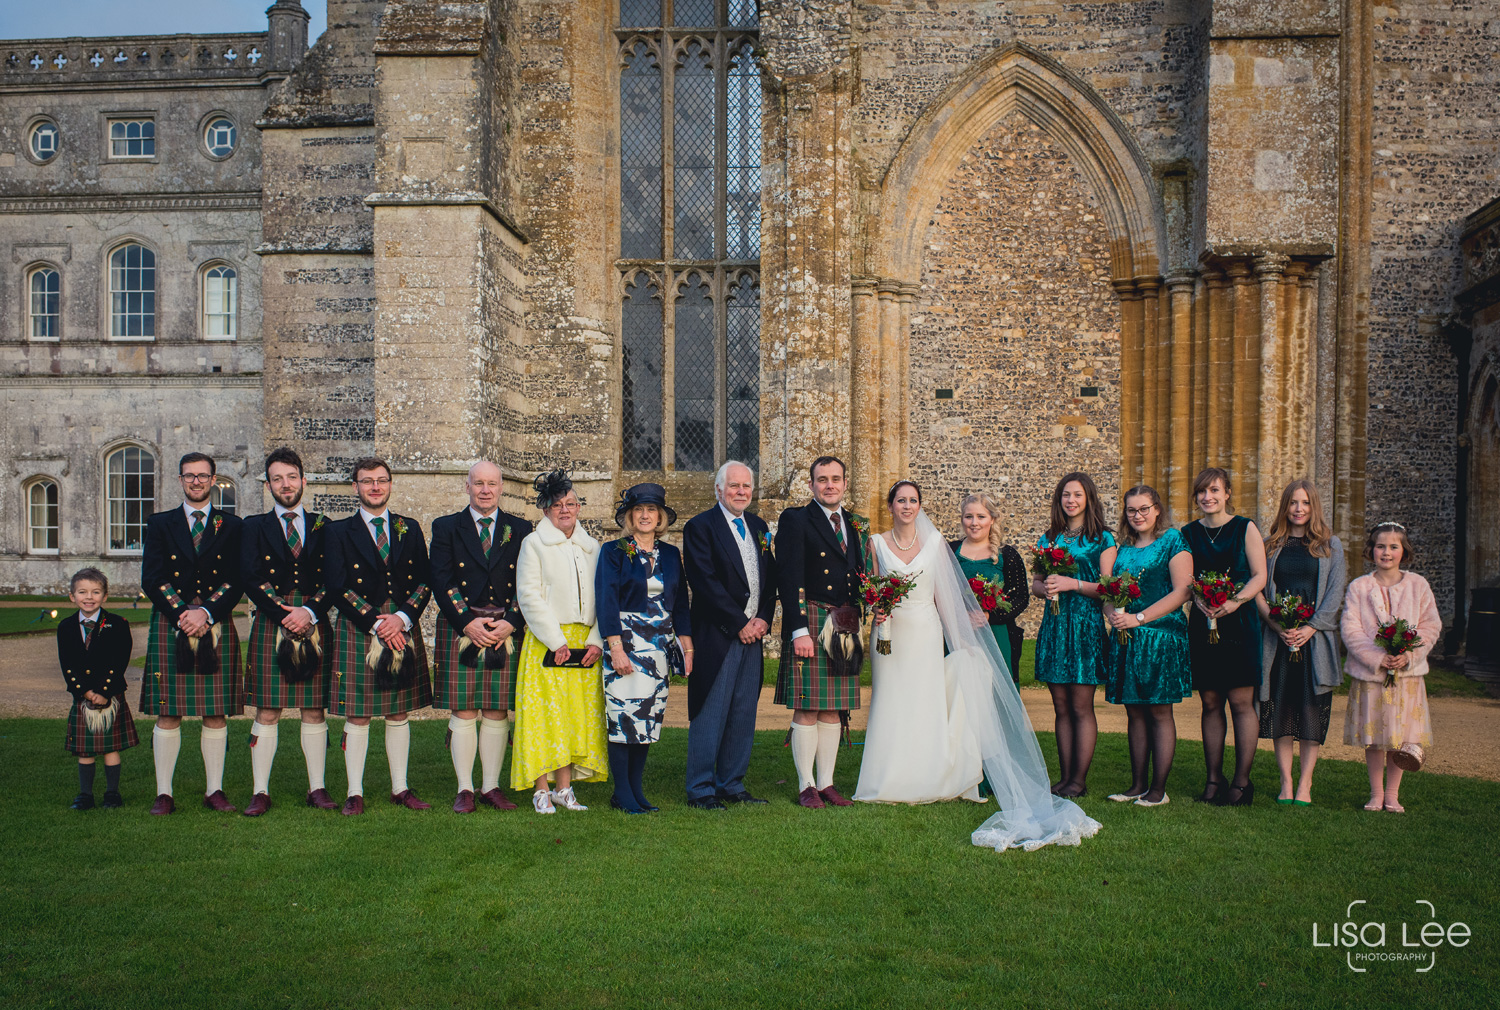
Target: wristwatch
(1140,619)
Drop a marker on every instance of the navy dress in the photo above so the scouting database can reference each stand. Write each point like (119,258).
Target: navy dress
(642,597)
(1233,661)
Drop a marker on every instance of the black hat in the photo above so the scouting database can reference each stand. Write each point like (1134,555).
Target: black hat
(643,494)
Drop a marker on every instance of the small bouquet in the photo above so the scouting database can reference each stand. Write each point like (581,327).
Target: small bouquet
(988,593)
(1120,592)
(1047,561)
(1290,612)
(1396,638)
(1215,589)
(882,594)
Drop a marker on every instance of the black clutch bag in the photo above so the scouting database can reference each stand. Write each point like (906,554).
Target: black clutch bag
(574,660)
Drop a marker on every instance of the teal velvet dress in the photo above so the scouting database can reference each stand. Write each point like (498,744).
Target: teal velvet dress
(1071,645)
(1153,667)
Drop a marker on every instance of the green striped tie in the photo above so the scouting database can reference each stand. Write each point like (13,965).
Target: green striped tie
(293,541)
(484,535)
(382,543)
(197,530)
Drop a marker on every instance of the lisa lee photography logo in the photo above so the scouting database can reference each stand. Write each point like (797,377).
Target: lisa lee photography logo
(1367,941)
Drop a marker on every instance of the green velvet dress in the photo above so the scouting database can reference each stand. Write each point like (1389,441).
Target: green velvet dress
(1071,644)
(987,569)
(1152,667)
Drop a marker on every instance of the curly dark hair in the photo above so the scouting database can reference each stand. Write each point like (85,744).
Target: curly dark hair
(551,486)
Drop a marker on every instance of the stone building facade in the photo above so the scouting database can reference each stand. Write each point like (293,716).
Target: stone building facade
(978,243)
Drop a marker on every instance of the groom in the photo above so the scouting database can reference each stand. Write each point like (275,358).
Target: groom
(820,552)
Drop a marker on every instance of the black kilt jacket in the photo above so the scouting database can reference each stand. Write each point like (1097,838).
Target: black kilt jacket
(173,574)
(101,667)
(462,577)
(720,592)
(359,582)
(810,565)
(271,574)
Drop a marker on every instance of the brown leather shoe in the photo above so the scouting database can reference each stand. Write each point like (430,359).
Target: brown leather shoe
(408,799)
(353,806)
(216,800)
(163,806)
(319,798)
(810,799)
(465,802)
(496,799)
(831,795)
(259,804)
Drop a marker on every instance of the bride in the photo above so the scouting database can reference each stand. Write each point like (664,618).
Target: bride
(938,724)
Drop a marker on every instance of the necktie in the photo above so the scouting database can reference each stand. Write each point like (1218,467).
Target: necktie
(382,543)
(88,633)
(293,541)
(484,534)
(838,529)
(197,530)
(739,525)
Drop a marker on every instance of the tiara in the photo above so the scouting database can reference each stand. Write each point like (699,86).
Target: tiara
(904,480)
(1381,526)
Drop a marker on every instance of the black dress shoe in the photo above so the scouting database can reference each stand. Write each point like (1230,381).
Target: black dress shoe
(112,801)
(742,796)
(707,803)
(83,801)
(615,804)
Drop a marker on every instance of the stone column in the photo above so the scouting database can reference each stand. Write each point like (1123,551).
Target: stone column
(1154,382)
(883,468)
(1262,484)
(1182,424)
(1131,384)
(865,384)
(1219,389)
(1202,304)
(1244,421)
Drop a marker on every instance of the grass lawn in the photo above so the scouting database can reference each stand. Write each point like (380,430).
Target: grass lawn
(772,906)
(23,620)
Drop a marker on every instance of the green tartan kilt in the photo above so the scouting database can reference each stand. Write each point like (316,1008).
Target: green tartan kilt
(458,688)
(264,686)
(120,736)
(806,683)
(353,691)
(166,690)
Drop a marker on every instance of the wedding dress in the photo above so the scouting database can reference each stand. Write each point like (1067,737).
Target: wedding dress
(982,710)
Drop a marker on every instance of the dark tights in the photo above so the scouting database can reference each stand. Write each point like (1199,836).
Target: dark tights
(627,763)
(1216,729)
(1077,731)
(1152,735)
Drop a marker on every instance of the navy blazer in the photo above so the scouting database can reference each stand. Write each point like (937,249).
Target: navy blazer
(716,576)
(271,575)
(173,574)
(620,587)
(101,667)
(462,577)
(810,564)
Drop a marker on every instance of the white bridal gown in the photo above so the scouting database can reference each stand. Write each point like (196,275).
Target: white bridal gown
(919,747)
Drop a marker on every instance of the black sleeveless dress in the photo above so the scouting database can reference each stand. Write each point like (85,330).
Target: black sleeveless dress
(1295,708)
(1234,661)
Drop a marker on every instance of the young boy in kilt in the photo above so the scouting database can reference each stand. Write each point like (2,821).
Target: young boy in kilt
(820,553)
(190,571)
(291,640)
(93,650)
(474,556)
(377,573)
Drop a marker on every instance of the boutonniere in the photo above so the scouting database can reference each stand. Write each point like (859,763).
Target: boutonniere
(861,524)
(628,546)
(506,538)
(317,523)
(765,541)
(400,527)
(218,521)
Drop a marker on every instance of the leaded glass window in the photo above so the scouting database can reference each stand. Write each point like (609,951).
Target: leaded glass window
(46,298)
(132,292)
(41,498)
(130,492)
(690,133)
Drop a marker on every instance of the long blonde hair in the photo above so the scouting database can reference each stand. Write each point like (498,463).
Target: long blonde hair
(1319,536)
(987,503)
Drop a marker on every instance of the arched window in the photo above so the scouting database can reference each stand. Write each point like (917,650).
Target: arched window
(222,496)
(220,300)
(690,108)
(132,292)
(130,492)
(41,516)
(45,288)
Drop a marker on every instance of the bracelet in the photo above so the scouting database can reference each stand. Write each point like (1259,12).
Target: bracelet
(688,651)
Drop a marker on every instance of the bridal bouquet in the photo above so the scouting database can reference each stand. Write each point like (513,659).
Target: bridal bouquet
(988,593)
(1290,612)
(1215,590)
(1047,561)
(882,594)
(1120,592)
(1396,638)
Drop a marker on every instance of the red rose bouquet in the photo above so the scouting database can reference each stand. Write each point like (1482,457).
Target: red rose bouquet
(1215,589)
(988,593)
(882,594)
(1047,561)
(1290,612)
(1120,592)
(1396,638)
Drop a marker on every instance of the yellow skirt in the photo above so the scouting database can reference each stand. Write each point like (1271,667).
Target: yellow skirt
(559,716)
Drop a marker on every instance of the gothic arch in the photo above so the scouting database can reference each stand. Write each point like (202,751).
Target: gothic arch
(1012,79)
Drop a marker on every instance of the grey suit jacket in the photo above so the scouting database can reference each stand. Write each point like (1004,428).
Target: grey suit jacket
(1323,649)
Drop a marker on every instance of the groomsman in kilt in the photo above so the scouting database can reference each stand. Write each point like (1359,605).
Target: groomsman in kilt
(190,571)
(376,568)
(474,556)
(291,641)
(820,551)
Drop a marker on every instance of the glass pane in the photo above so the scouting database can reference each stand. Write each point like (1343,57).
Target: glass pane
(742,182)
(742,13)
(130,486)
(222,496)
(640,154)
(219,289)
(694,13)
(742,327)
(693,150)
(640,13)
(132,281)
(219,138)
(46,288)
(43,141)
(694,368)
(641,345)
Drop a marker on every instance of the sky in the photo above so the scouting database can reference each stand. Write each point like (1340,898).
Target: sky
(29,19)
